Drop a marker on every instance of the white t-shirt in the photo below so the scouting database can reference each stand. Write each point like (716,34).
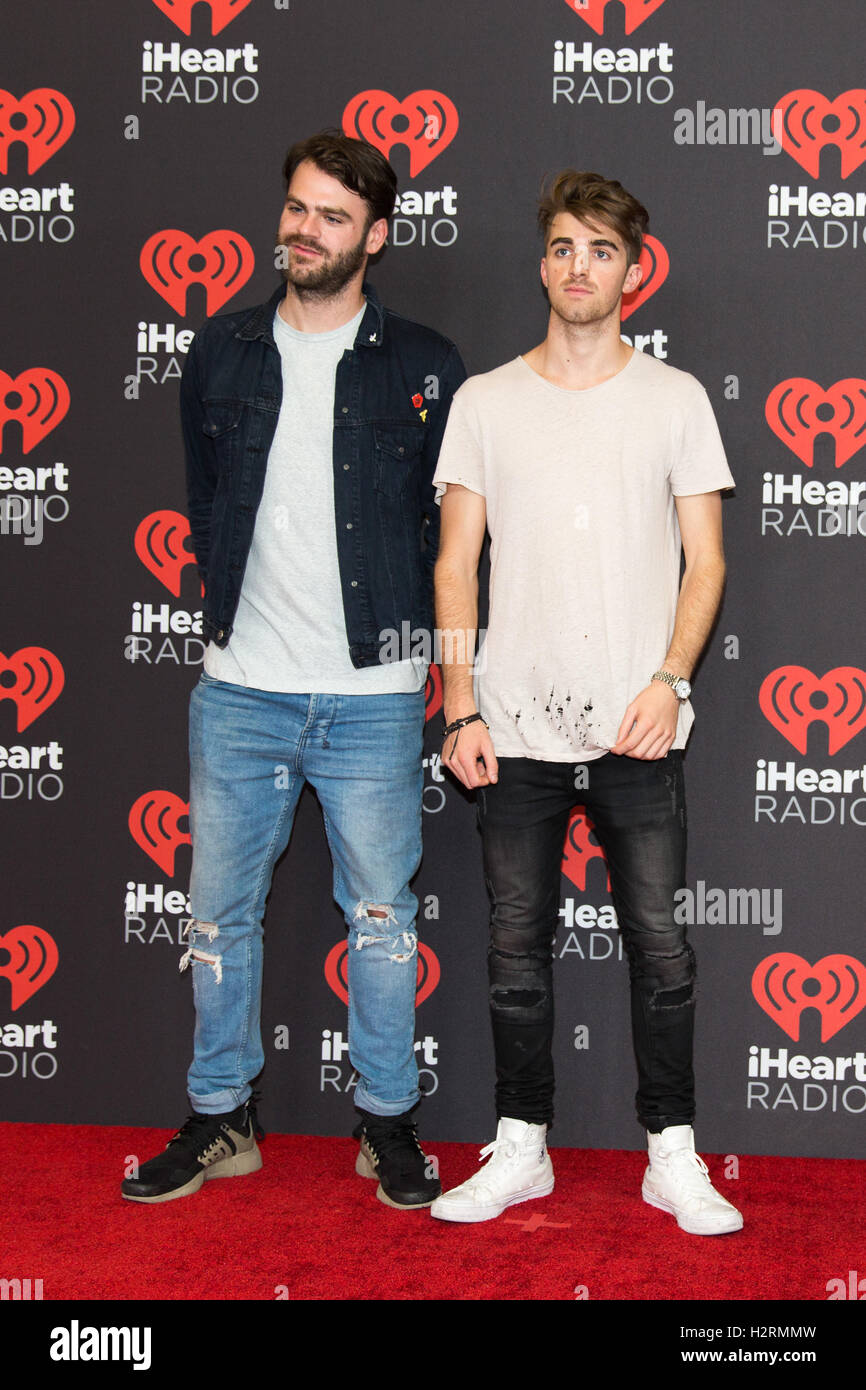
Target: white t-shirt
(585,546)
(290,631)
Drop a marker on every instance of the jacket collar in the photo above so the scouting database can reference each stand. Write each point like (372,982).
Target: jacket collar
(260,322)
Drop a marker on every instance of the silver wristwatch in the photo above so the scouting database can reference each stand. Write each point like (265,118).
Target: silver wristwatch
(678,684)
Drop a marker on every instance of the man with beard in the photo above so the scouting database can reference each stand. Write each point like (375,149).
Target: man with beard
(312,426)
(593,467)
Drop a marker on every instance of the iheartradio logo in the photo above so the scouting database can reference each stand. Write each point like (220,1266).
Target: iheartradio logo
(43,121)
(172,260)
(160,544)
(808,122)
(154,824)
(580,847)
(592,12)
(222,12)
(426,123)
(784,985)
(792,698)
(33,958)
(337,962)
(33,678)
(38,399)
(433,693)
(655,264)
(798,410)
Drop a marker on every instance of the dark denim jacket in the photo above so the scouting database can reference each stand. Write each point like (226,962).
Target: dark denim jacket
(391,401)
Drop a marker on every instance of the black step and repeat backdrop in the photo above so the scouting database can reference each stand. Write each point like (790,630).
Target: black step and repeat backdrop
(140,150)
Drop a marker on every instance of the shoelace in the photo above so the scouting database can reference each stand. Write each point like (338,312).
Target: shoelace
(252,1104)
(393,1140)
(196,1129)
(500,1151)
(693,1174)
(507,1148)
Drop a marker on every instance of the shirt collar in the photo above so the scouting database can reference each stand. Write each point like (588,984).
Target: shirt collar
(370,333)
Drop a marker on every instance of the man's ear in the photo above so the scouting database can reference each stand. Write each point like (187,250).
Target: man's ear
(376,236)
(544,272)
(633,277)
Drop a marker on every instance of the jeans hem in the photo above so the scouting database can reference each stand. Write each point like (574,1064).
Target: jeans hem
(656,1124)
(364,1101)
(535,1119)
(220,1102)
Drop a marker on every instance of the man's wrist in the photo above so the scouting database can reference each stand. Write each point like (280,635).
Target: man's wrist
(456,704)
(679,686)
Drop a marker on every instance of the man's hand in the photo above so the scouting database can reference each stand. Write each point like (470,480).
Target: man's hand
(468,753)
(649,726)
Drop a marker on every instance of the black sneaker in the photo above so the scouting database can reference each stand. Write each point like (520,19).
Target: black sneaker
(390,1152)
(206,1146)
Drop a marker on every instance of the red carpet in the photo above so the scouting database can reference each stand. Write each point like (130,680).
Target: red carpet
(307,1228)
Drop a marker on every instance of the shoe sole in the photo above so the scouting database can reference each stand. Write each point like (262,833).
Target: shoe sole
(237,1166)
(692,1227)
(365,1169)
(473,1214)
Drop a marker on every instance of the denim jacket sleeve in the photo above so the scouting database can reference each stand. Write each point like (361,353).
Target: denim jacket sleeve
(200,467)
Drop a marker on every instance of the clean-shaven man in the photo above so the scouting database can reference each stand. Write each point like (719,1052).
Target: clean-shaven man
(593,467)
(312,426)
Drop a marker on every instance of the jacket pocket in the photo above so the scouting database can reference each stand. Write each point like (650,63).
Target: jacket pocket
(221,419)
(397,449)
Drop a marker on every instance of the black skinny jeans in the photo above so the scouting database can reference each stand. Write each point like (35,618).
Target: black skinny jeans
(639,815)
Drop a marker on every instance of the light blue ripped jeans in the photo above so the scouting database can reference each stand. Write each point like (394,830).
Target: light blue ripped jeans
(250,753)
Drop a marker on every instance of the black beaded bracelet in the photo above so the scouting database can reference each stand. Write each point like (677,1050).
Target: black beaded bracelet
(459,723)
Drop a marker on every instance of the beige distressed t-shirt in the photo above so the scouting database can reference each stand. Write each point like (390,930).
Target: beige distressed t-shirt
(585,545)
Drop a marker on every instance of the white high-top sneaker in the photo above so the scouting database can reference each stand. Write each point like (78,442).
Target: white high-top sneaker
(519,1168)
(677,1181)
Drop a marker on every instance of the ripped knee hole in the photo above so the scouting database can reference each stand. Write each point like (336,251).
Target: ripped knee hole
(195,954)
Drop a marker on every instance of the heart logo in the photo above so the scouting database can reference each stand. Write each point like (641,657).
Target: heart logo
(171,261)
(792,698)
(337,963)
(44,120)
(36,681)
(222,12)
(33,958)
(592,12)
(426,123)
(798,410)
(433,693)
(154,824)
(784,985)
(655,264)
(809,122)
(580,847)
(159,545)
(38,399)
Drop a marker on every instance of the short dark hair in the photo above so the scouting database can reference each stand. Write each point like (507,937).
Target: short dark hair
(592,198)
(358,165)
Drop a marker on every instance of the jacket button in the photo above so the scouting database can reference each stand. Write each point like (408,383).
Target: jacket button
(354,583)
(348,525)
(345,410)
(345,468)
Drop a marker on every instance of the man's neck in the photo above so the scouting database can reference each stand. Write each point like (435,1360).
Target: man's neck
(577,356)
(310,314)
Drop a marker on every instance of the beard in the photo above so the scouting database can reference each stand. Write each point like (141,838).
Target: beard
(328,276)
